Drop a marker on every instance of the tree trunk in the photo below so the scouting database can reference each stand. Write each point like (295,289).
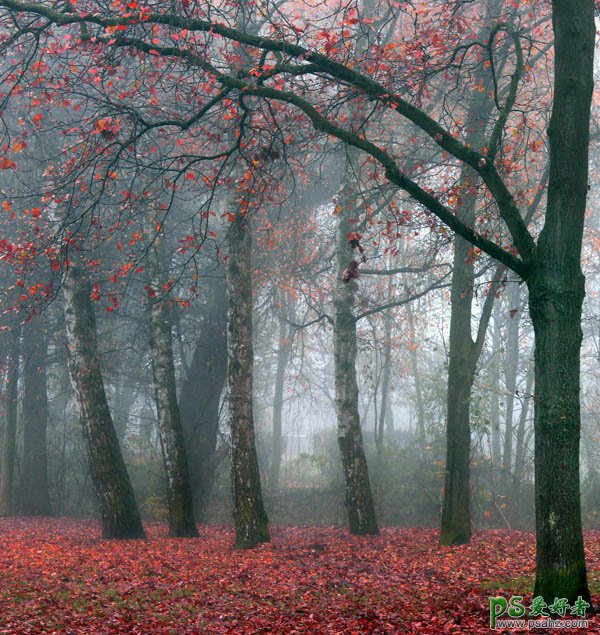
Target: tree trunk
(511,365)
(456,509)
(9,438)
(359,498)
(385,383)
(414,364)
(35,496)
(521,446)
(118,509)
(200,396)
(250,518)
(283,356)
(463,351)
(123,399)
(179,491)
(495,406)
(556,292)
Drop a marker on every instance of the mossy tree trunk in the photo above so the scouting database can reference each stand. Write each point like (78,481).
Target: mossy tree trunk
(359,498)
(9,437)
(250,518)
(179,490)
(556,292)
(118,509)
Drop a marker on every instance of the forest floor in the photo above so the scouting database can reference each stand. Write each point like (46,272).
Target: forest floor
(58,576)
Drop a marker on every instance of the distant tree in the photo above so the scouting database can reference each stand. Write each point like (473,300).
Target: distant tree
(8,457)
(35,496)
(201,392)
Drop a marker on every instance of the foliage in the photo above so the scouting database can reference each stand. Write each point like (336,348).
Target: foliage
(58,577)
(406,487)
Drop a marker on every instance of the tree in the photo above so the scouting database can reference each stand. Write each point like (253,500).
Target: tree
(250,518)
(179,490)
(34,411)
(359,498)
(284,350)
(9,437)
(550,266)
(201,392)
(118,509)
(464,351)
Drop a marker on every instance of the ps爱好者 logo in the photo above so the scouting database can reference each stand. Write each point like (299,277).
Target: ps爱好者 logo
(513,613)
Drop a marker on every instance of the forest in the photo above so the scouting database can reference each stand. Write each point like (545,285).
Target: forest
(299,317)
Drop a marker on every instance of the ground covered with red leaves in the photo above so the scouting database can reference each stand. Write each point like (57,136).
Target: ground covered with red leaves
(58,576)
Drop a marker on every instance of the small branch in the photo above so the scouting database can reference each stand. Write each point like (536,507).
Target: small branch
(486,312)
(401,301)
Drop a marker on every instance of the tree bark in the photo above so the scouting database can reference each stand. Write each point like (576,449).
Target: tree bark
(200,395)
(118,509)
(521,446)
(385,383)
(35,495)
(416,373)
(456,509)
(556,292)
(179,491)
(250,518)
(511,365)
(359,498)
(9,438)
(463,351)
(283,356)
(495,406)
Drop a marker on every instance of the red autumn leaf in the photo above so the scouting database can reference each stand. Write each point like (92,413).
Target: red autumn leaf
(6,164)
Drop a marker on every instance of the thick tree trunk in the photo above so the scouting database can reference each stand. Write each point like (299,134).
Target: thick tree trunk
(359,498)
(556,291)
(9,438)
(556,312)
(283,356)
(250,518)
(118,509)
(179,491)
(200,396)
(35,500)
